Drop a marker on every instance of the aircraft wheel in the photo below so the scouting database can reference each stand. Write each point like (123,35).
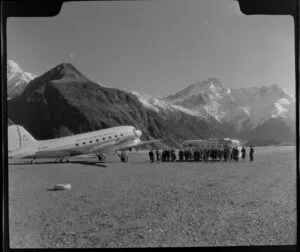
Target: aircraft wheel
(124,158)
(101,158)
(33,161)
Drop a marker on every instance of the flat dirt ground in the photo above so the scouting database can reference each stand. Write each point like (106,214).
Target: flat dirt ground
(142,204)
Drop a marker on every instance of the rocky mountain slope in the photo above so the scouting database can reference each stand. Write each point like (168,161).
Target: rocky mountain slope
(17,79)
(63,101)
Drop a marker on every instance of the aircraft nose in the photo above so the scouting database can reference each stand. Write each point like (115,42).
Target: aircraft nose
(138,133)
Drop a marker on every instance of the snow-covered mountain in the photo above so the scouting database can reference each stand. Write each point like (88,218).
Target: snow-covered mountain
(247,110)
(266,103)
(208,97)
(251,106)
(17,79)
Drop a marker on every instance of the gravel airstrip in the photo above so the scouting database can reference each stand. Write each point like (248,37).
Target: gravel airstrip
(143,204)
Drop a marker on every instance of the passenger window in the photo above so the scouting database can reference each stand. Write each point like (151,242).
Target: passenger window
(91,141)
(109,137)
(97,140)
(122,134)
(83,143)
(103,138)
(77,144)
(116,135)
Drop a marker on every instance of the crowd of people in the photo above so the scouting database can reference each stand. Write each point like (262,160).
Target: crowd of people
(226,153)
(166,155)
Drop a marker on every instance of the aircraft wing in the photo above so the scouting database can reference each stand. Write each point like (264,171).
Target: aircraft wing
(142,143)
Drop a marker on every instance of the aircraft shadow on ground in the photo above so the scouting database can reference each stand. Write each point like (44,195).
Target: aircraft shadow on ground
(93,163)
(90,163)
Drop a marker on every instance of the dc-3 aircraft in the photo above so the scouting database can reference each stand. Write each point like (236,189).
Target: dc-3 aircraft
(117,139)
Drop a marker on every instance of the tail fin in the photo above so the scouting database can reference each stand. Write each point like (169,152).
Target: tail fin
(19,138)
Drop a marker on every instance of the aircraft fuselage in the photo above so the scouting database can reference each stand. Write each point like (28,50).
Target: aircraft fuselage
(99,141)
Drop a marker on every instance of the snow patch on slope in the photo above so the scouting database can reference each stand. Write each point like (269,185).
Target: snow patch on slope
(17,79)
(144,99)
(159,105)
(102,85)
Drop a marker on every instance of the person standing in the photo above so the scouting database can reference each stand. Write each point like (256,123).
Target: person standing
(225,152)
(157,155)
(151,156)
(168,154)
(180,155)
(243,153)
(201,154)
(237,154)
(165,155)
(185,155)
(251,153)
(189,154)
(195,155)
(227,155)
(173,155)
(207,153)
(220,154)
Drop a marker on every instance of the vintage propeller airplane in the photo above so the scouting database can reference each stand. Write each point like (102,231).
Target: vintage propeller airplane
(21,144)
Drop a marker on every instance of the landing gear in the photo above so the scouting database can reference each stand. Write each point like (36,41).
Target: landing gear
(124,159)
(100,156)
(60,159)
(123,156)
(33,160)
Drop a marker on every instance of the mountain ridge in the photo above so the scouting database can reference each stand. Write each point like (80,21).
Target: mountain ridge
(210,98)
(67,102)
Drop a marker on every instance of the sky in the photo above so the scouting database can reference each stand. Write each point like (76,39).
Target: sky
(158,47)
